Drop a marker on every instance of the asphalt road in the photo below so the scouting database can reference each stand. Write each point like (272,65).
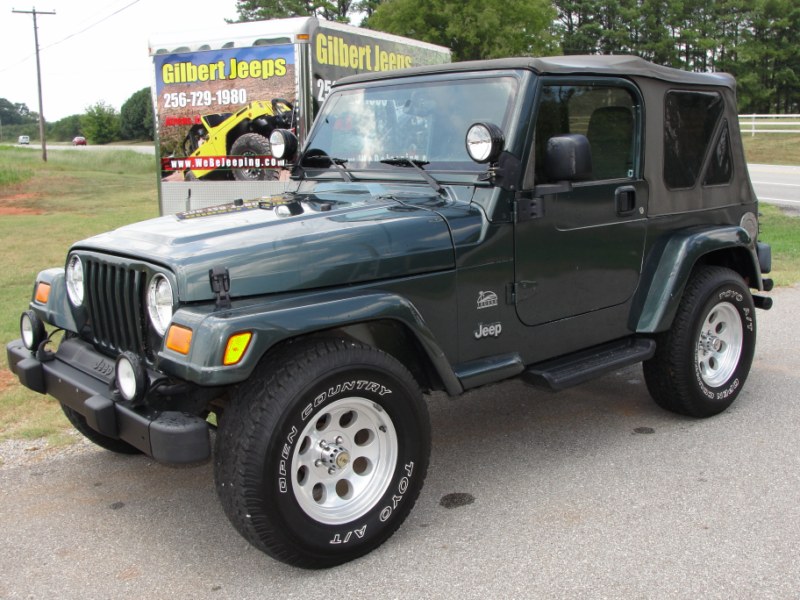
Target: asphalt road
(776,184)
(590,493)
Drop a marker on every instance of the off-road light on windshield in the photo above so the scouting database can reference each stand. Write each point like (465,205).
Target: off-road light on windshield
(159,303)
(74,277)
(130,377)
(31,330)
(283,143)
(484,142)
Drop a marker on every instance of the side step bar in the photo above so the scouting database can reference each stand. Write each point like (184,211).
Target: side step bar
(572,369)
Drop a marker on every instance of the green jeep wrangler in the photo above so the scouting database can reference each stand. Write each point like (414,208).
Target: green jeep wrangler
(446,227)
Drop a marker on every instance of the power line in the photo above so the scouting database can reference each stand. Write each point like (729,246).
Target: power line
(71,35)
(95,24)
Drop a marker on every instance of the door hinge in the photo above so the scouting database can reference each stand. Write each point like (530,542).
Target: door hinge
(519,291)
(526,207)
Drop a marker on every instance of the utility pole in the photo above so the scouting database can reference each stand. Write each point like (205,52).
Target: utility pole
(34,12)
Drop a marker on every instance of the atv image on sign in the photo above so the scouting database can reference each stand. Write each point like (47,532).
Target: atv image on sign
(445,227)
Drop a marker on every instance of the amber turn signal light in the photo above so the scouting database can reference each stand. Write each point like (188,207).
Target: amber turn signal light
(179,339)
(42,292)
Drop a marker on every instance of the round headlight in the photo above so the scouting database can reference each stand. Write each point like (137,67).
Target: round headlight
(74,277)
(159,303)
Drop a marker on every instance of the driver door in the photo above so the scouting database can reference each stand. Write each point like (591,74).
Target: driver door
(582,251)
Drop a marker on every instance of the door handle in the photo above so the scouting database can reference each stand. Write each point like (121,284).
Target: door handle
(625,200)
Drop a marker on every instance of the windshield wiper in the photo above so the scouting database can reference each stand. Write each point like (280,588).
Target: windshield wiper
(404,161)
(329,161)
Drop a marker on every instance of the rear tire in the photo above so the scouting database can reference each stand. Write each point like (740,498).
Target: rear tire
(702,362)
(321,455)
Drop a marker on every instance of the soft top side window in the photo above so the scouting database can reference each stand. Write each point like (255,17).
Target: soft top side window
(690,119)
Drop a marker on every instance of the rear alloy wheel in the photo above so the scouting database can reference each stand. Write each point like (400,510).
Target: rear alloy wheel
(321,454)
(702,362)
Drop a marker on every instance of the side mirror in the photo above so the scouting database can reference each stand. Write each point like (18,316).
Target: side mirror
(283,144)
(568,158)
(485,142)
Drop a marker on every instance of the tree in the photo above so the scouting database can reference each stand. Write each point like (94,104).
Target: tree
(472,29)
(136,116)
(366,7)
(65,129)
(257,10)
(100,123)
(768,65)
(757,41)
(16,113)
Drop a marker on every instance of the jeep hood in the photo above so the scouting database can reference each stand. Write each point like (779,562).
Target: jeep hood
(337,234)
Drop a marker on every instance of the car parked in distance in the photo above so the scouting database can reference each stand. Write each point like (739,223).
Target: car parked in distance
(79,140)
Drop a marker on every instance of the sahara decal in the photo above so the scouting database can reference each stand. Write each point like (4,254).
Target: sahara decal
(486,299)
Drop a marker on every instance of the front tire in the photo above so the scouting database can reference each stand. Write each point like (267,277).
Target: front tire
(321,455)
(702,362)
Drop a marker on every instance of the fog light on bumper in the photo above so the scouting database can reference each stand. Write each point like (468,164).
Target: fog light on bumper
(130,377)
(31,330)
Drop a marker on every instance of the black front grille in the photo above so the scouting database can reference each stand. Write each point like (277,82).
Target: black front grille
(116,305)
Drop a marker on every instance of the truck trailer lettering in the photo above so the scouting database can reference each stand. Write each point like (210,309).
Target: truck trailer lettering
(335,51)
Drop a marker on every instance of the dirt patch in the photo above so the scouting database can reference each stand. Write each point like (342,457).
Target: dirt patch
(16,204)
(7,379)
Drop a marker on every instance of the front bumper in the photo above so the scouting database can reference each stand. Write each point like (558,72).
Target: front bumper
(80,378)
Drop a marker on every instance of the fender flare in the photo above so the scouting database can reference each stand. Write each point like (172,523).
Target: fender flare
(278,320)
(665,277)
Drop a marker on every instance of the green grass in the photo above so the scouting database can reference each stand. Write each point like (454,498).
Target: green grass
(45,207)
(772,149)
(782,232)
(43,211)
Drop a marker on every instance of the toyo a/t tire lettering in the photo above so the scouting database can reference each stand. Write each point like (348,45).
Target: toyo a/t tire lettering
(322,453)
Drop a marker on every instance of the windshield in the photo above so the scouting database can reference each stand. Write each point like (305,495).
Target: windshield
(424,122)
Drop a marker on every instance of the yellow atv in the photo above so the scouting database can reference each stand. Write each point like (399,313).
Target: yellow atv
(228,144)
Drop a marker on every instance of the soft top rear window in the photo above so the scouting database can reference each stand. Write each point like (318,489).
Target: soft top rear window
(690,119)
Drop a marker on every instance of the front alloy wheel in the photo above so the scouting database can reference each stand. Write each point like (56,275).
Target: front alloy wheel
(344,461)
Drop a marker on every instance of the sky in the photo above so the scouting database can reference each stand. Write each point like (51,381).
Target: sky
(90,50)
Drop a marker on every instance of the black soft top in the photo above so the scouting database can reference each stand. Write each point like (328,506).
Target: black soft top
(618,65)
